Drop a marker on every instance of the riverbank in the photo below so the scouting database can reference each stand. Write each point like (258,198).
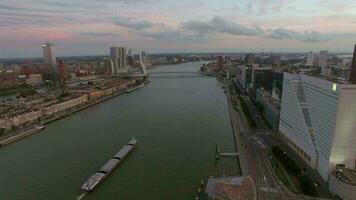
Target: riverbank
(178,123)
(27,131)
(239,129)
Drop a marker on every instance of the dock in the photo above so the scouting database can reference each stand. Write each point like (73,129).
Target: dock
(109,167)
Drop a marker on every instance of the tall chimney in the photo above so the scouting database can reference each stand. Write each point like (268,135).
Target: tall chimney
(353,68)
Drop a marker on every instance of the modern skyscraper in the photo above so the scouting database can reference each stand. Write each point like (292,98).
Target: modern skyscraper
(50,62)
(118,54)
(310,59)
(353,68)
(318,121)
(49,58)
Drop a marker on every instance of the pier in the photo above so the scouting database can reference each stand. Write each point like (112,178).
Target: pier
(219,154)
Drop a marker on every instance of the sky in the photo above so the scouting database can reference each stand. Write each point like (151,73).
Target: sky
(90,27)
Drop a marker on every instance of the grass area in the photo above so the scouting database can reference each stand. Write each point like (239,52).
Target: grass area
(280,172)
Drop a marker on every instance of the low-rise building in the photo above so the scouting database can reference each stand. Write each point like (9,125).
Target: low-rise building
(26,118)
(66,105)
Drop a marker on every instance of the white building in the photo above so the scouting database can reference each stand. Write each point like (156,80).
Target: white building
(318,121)
(118,54)
(49,58)
(310,59)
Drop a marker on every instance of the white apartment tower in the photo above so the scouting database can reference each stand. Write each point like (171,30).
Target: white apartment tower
(310,59)
(118,54)
(318,121)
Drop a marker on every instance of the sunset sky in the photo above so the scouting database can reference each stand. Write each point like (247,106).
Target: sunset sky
(90,27)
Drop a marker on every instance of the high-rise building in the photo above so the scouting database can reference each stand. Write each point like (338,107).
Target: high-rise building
(318,121)
(352,78)
(50,62)
(310,59)
(49,58)
(110,66)
(228,60)
(323,62)
(118,54)
(220,62)
(262,78)
(323,58)
(250,59)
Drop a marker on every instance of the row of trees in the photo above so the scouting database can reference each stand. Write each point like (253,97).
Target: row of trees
(261,109)
(245,109)
(306,184)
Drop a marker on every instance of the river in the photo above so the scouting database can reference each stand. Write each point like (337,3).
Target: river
(177,118)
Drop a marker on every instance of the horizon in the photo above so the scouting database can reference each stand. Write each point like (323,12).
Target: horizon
(171,26)
(172,53)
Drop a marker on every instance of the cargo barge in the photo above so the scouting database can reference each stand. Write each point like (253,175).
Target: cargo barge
(106,170)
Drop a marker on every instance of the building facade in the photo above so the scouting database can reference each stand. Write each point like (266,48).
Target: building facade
(118,54)
(271,108)
(250,59)
(310,59)
(318,121)
(352,78)
(66,105)
(262,78)
(49,58)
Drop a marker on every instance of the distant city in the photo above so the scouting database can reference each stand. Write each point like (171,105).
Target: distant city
(306,101)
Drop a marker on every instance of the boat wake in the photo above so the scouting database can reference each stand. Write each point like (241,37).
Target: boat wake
(81,196)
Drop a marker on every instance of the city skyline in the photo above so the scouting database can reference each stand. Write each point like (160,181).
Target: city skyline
(170,26)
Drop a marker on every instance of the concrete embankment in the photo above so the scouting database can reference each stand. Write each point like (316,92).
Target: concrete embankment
(238,129)
(19,136)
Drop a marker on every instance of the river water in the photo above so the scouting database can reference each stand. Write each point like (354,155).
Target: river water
(177,118)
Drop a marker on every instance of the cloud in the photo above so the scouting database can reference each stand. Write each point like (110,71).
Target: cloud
(100,34)
(161,35)
(227,26)
(201,30)
(130,23)
(306,36)
(221,25)
(200,27)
